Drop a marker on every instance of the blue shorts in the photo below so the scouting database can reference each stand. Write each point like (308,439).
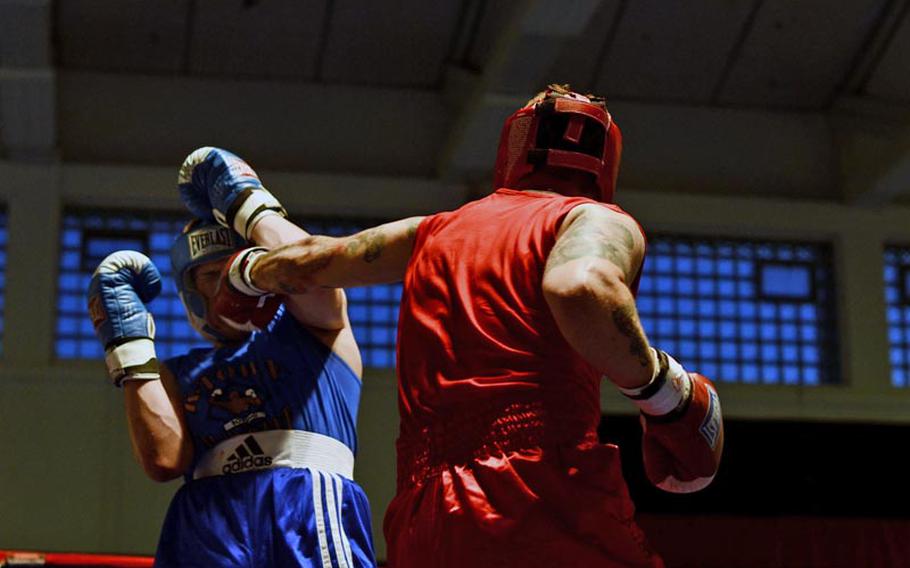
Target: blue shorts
(273,517)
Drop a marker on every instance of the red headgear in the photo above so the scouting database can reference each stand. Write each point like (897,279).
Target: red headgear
(563,129)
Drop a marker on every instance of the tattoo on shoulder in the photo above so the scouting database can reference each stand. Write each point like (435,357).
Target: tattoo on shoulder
(626,319)
(588,237)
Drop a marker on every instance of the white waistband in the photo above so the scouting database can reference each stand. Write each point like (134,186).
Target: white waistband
(277,448)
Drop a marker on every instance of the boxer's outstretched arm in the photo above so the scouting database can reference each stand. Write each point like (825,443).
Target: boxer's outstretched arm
(323,308)
(375,256)
(160,439)
(597,253)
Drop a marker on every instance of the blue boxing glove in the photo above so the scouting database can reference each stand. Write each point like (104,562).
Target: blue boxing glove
(216,184)
(120,287)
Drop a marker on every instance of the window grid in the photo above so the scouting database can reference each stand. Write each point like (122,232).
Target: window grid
(87,237)
(702,300)
(897,300)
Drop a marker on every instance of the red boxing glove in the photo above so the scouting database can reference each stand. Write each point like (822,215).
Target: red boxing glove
(683,428)
(237,302)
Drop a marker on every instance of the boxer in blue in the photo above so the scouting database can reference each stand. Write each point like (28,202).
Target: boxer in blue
(262,425)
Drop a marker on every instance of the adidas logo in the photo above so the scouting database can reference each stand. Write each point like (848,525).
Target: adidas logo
(248,455)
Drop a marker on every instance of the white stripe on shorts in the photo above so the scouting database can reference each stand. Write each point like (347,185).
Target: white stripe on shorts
(331,506)
(339,492)
(320,519)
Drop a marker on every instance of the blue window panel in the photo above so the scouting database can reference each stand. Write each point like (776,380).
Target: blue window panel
(666,327)
(748,310)
(767,311)
(770,374)
(685,265)
(811,376)
(687,327)
(706,287)
(710,369)
(688,349)
(791,375)
(707,351)
(737,304)
(808,333)
(897,298)
(707,328)
(749,351)
(810,354)
(786,281)
(686,307)
(750,374)
(791,353)
(705,266)
(788,333)
(748,331)
(664,285)
(645,304)
(770,352)
(808,313)
(686,286)
(769,332)
(707,308)
(664,264)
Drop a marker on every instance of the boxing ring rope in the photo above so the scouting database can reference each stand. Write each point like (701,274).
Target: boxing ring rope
(31,558)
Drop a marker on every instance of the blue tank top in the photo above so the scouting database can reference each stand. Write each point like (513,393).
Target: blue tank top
(282,378)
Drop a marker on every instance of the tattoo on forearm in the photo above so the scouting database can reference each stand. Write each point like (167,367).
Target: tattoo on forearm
(368,245)
(626,319)
(588,238)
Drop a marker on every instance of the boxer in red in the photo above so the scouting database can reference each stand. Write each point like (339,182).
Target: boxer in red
(514,307)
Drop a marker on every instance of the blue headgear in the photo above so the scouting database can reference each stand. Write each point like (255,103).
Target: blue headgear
(200,242)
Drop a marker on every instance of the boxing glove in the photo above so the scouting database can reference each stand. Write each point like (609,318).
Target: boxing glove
(237,302)
(216,184)
(118,291)
(683,427)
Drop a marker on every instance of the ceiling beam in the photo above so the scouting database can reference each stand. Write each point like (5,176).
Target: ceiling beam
(28,129)
(520,59)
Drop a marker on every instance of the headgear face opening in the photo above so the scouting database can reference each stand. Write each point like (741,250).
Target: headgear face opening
(198,243)
(563,129)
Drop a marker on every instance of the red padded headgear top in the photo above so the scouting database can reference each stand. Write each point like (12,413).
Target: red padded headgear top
(563,129)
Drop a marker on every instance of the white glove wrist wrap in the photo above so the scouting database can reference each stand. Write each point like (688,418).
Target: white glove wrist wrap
(255,207)
(133,360)
(666,392)
(239,273)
